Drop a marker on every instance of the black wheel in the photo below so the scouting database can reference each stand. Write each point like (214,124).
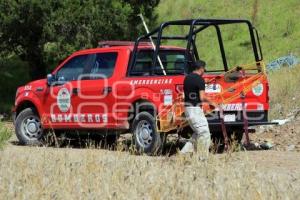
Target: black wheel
(145,136)
(28,127)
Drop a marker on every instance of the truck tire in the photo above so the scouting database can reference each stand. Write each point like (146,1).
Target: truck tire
(28,127)
(146,139)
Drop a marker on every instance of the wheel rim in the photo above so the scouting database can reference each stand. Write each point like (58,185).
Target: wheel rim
(144,134)
(31,128)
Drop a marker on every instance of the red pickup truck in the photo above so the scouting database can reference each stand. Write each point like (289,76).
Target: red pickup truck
(122,86)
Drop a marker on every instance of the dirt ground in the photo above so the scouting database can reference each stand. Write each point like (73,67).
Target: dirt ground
(284,139)
(81,172)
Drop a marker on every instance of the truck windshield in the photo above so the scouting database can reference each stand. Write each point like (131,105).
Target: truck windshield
(172,62)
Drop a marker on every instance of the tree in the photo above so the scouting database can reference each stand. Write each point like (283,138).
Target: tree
(44,32)
(145,7)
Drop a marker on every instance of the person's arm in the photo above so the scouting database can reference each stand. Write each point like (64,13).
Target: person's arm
(202,95)
(204,98)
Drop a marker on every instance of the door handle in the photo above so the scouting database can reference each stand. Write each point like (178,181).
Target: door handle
(75,91)
(107,90)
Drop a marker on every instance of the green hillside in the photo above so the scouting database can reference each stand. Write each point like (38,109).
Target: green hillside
(276,20)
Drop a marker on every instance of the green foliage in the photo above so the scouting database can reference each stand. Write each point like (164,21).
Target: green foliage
(147,8)
(276,21)
(5,134)
(44,32)
(13,74)
(81,24)
(279,30)
(35,35)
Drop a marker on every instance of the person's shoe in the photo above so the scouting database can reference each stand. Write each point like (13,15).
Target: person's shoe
(187,148)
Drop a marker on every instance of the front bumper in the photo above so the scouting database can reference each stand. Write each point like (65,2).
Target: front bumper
(254,118)
(237,125)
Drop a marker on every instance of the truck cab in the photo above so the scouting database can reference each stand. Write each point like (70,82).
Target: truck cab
(126,86)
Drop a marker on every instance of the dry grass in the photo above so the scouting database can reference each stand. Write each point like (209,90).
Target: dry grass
(284,91)
(66,173)
(5,134)
(47,173)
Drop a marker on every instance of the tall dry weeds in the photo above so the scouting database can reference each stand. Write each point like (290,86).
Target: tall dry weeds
(5,134)
(284,91)
(43,173)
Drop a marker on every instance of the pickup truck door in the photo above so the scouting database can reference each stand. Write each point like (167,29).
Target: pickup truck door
(58,103)
(82,97)
(94,96)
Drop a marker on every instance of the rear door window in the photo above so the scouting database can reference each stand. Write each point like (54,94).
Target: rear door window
(172,63)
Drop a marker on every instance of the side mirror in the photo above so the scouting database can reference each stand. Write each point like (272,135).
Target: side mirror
(50,79)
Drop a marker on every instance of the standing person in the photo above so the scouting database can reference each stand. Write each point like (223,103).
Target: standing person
(194,95)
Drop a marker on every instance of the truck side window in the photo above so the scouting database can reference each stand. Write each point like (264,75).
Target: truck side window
(104,65)
(89,66)
(73,68)
(143,64)
(172,61)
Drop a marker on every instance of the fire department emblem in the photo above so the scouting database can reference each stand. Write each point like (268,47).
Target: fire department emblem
(64,99)
(258,90)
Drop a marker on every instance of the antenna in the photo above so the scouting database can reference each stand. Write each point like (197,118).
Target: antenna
(153,45)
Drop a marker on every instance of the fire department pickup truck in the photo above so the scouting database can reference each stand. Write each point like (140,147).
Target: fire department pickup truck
(123,87)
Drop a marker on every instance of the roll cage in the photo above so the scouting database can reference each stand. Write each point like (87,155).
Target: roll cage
(195,27)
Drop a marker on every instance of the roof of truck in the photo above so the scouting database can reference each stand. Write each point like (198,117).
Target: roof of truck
(130,44)
(113,45)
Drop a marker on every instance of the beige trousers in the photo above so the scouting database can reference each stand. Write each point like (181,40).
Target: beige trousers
(198,122)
